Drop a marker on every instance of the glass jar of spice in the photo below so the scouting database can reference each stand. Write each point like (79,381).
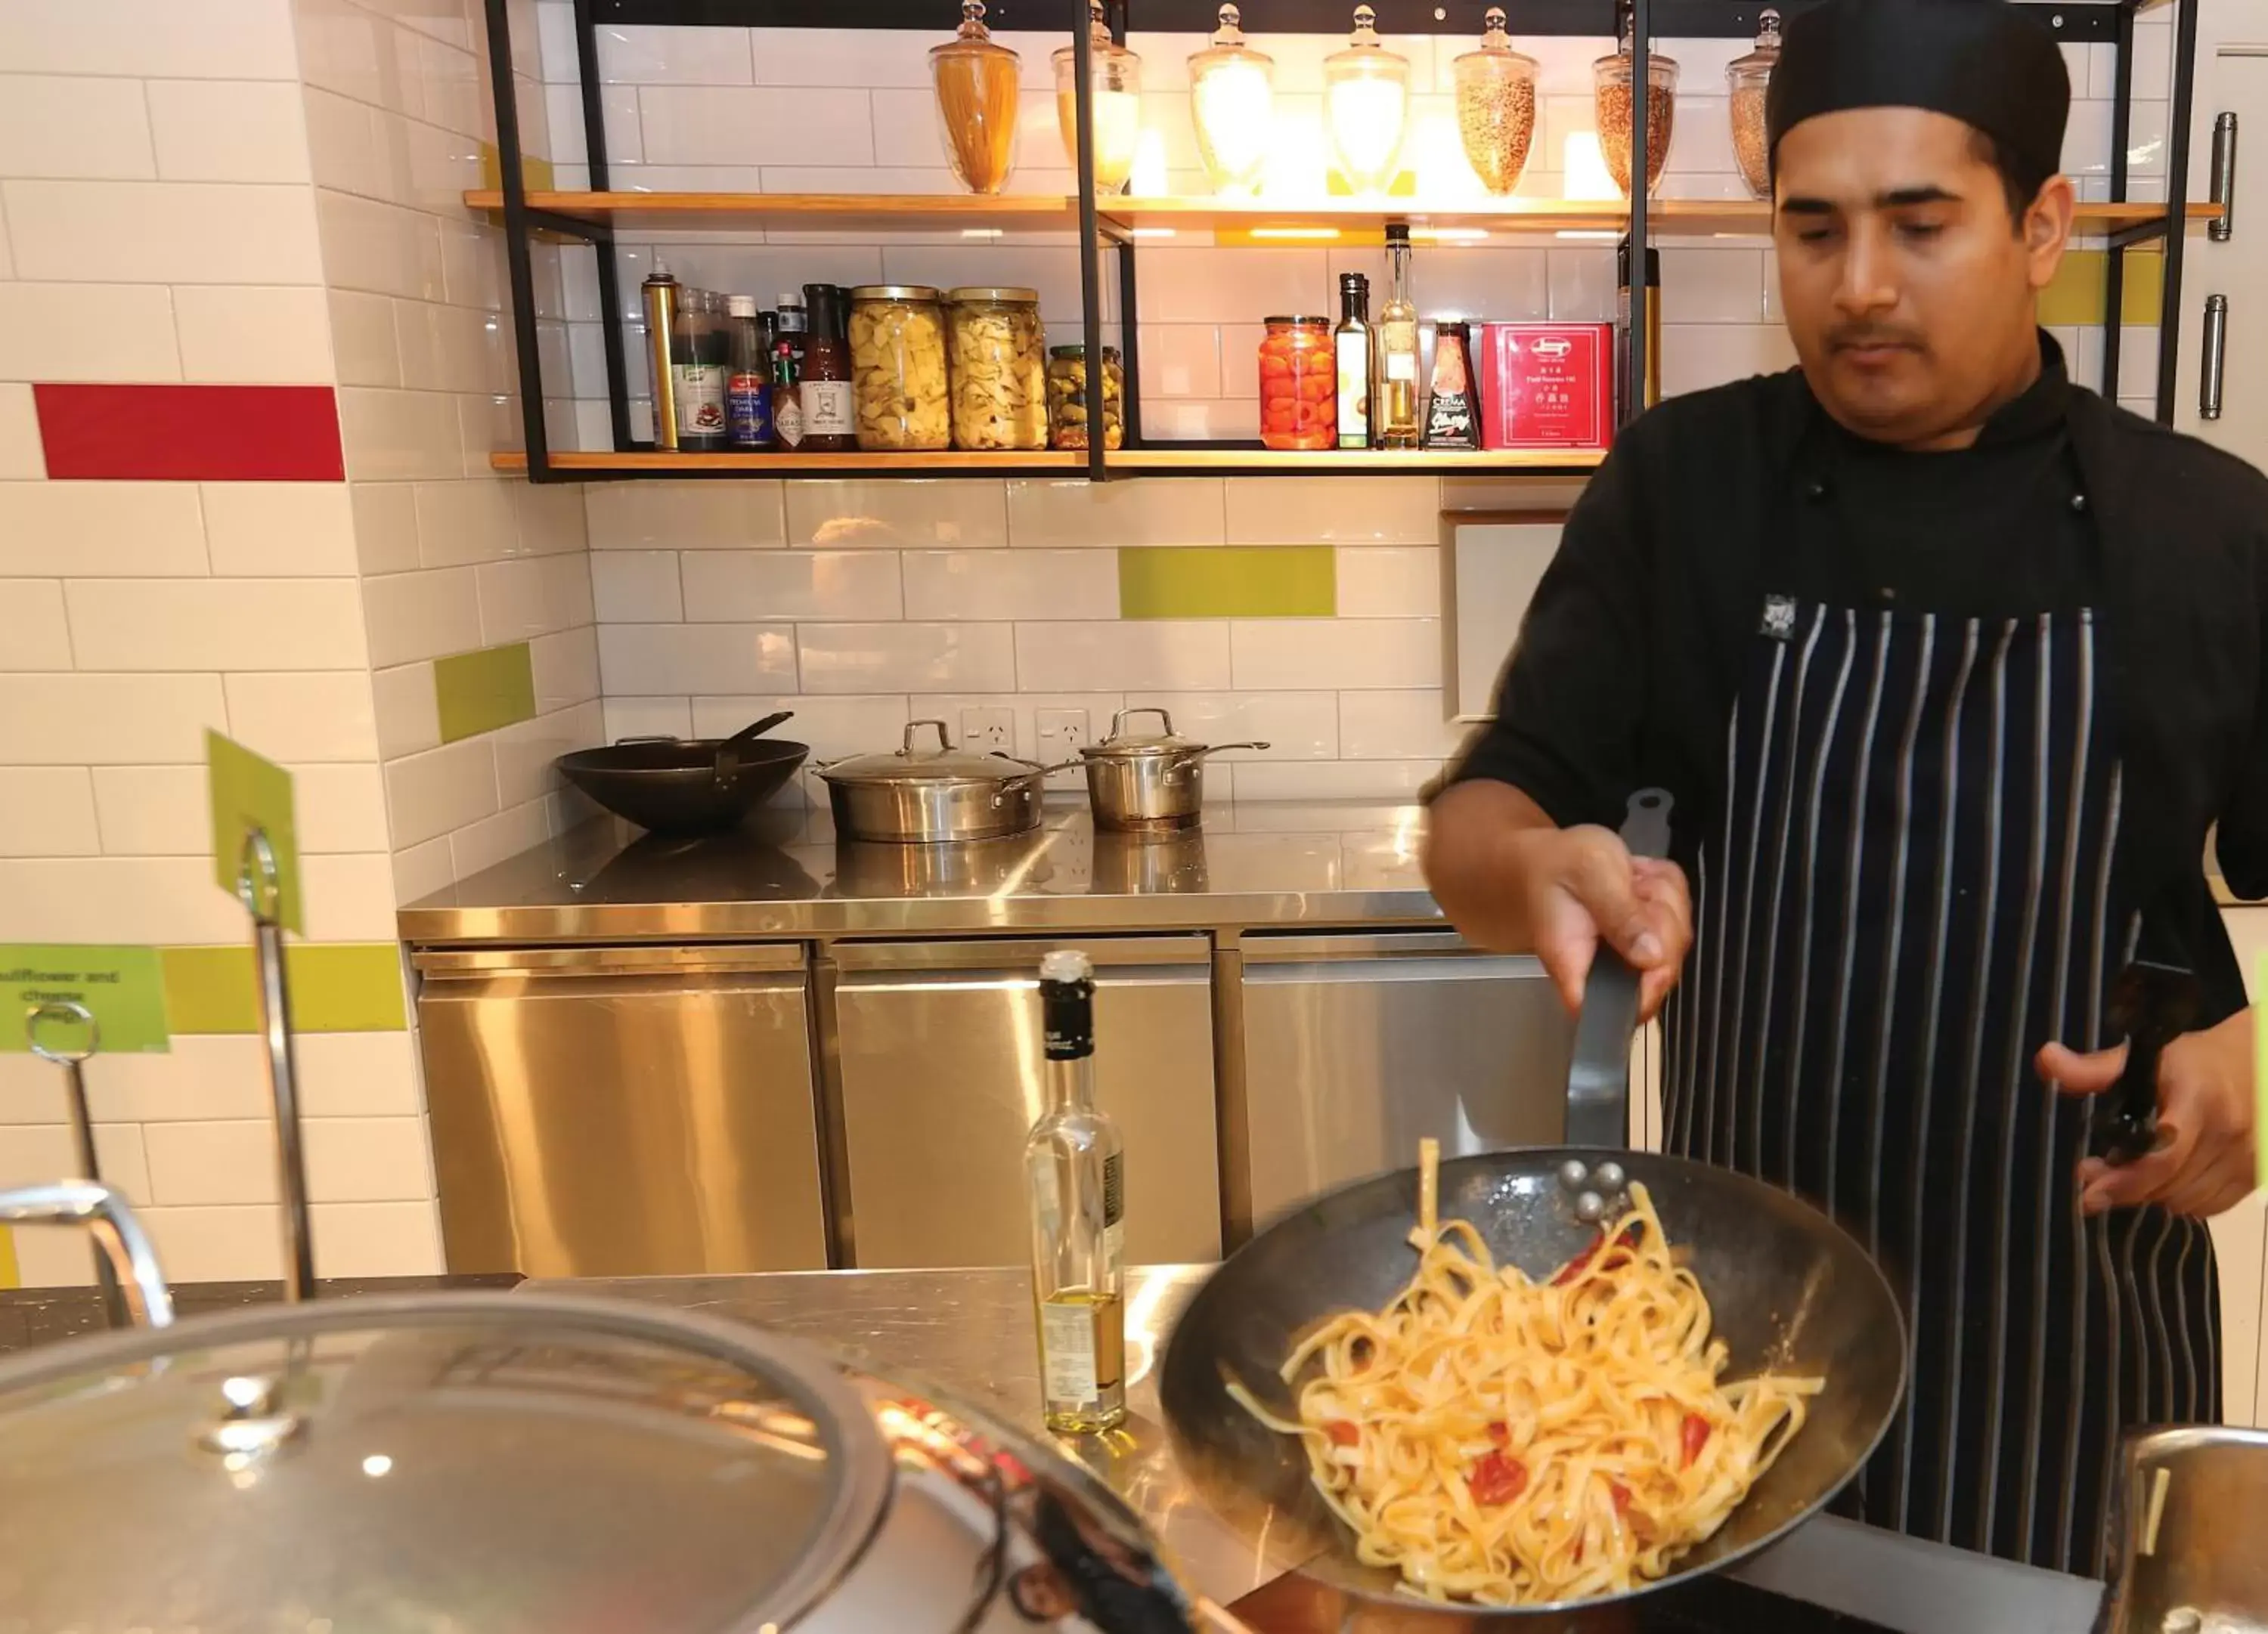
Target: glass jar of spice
(1614,81)
(1069,416)
(1496,107)
(897,367)
(1298,384)
(1747,78)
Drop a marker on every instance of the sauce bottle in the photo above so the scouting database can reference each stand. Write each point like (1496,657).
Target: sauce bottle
(831,413)
(748,390)
(698,351)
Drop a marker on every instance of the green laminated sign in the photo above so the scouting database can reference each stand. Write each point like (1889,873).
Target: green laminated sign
(124,989)
(250,793)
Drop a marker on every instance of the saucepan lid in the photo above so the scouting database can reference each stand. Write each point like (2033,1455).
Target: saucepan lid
(1125,744)
(912,763)
(500,1462)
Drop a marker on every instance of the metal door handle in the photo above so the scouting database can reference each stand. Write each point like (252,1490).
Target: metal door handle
(2224,177)
(2216,357)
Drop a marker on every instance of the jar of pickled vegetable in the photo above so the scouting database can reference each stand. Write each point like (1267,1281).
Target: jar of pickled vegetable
(1070,414)
(897,361)
(999,368)
(1298,384)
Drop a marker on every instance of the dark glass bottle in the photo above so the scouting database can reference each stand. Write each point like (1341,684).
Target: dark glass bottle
(830,412)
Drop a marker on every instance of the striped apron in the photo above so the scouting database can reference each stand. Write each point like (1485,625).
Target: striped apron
(1910,888)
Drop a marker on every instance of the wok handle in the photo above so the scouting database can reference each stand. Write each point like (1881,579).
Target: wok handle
(1598,1077)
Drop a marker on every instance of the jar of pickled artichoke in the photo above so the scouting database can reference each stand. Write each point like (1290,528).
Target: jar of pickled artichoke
(897,367)
(999,368)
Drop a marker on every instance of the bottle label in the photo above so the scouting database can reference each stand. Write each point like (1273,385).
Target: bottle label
(748,409)
(1401,365)
(1354,391)
(1114,1209)
(699,388)
(829,408)
(787,419)
(1067,1353)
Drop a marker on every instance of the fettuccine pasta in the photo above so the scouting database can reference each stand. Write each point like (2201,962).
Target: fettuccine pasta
(1506,1442)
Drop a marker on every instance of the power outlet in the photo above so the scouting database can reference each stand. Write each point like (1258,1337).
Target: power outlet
(989,729)
(1061,734)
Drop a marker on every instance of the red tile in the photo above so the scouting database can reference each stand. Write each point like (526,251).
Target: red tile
(191,433)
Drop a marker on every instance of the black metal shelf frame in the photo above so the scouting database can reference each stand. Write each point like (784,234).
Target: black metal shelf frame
(2092,21)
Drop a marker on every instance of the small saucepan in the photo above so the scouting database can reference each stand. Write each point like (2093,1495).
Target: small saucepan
(1148,782)
(686,785)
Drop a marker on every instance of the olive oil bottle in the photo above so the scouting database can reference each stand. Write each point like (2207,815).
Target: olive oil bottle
(1075,1173)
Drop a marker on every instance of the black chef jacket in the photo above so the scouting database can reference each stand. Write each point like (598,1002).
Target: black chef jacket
(1629,658)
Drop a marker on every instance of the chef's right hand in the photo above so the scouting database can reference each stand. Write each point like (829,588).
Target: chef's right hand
(1584,887)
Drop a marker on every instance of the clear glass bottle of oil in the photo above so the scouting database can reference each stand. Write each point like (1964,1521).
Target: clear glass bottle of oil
(1394,394)
(1075,1171)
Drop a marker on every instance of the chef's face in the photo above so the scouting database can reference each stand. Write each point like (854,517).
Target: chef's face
(1910,287)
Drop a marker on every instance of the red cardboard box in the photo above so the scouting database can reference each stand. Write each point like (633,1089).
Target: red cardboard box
(1546,385)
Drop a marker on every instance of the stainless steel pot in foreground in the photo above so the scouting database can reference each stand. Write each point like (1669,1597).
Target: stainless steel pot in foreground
(917,796)
(522,1464)
(1155,781)
(2189,1560)
(1789,1291)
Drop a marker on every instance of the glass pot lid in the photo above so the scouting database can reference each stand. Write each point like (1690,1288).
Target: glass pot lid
(912,763)
(513,1463)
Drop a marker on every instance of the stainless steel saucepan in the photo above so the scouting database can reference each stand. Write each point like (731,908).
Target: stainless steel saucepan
(1790,1292)
(923,796)
(1148,781)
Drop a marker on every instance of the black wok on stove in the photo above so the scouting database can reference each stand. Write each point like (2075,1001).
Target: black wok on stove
(686,785)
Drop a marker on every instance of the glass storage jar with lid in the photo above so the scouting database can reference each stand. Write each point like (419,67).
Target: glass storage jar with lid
(1617,108)
(1115,75)
(1298,384)
(1746,79)
(1233,105)
(998,352)
(1496,107)
(897,367)
(976,83)
(1070,416)
(1365,106)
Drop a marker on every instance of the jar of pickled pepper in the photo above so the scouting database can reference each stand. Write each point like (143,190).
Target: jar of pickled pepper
(1298,384)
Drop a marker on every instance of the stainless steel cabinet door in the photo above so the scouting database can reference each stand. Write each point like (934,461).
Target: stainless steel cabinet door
(940,1053)
(1356,1045)
(616,1112)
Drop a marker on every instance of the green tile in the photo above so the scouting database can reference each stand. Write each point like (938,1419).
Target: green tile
(336,987)
(1227,581)
(2076,295)
(482,690)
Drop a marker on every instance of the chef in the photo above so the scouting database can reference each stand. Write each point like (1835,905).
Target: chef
(1952,668)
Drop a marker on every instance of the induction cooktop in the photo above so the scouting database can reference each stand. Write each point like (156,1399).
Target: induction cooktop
(1723,1606)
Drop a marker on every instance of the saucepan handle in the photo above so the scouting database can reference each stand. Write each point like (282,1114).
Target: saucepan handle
(1598,1077)
(105,1213)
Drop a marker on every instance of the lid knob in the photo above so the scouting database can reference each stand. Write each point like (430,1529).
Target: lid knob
(253,1423)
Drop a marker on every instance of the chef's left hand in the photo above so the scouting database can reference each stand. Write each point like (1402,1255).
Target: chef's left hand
(2202,1162)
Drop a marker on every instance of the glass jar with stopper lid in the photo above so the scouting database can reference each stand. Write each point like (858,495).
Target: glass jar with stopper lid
(1746,79)
(1496,107)
(1614,79)
(1233,104)
(1365,106)
(1115,76)
(976,83)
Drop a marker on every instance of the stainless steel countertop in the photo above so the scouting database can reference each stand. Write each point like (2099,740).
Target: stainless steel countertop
(968,1333)
(1332,862)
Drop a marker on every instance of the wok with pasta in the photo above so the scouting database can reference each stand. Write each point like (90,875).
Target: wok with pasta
(1487,1403)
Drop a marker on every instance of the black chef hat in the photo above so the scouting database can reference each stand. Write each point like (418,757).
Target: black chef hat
(1983,62)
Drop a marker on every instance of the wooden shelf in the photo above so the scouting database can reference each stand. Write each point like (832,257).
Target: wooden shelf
(807,211)
(1168,460)
(944,462)
(1259,220)
(1156,460)
(1340,220)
